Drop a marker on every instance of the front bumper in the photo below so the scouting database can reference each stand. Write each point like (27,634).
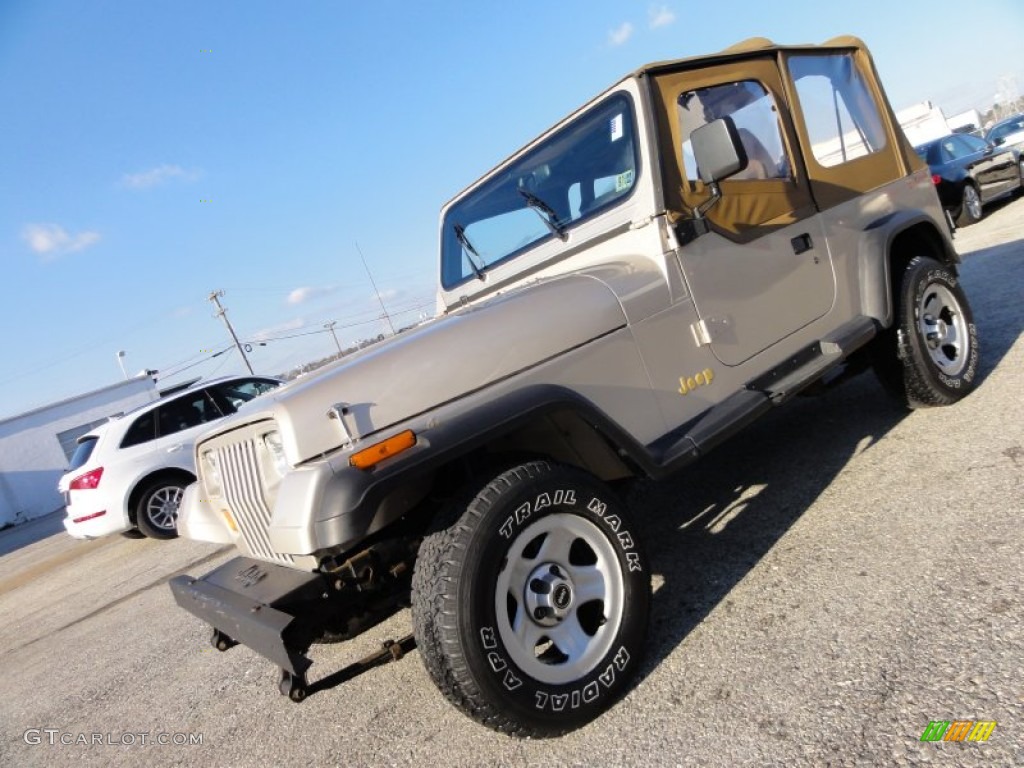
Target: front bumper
(258,604)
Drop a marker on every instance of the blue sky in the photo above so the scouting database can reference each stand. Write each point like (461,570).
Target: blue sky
(155,151)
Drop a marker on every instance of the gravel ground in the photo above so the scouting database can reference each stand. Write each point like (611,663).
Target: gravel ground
(838,576)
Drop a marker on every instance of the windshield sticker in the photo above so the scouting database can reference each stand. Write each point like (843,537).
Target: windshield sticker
(616,127)
(624,180)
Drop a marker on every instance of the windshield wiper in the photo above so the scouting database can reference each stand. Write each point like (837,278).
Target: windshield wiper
(546,212)
(460,235)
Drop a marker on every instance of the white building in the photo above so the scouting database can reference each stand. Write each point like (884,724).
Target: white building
(965,121)
(36,446)
(923,122)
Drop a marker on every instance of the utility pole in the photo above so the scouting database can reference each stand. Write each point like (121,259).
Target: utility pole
(383,308)
(223,313)
(330,327)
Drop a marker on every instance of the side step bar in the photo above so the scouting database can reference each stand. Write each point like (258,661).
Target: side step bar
(722,421)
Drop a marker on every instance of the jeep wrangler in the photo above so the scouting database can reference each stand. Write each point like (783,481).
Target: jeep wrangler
(699,243)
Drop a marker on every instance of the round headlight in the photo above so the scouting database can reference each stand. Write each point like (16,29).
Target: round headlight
(211,474)
(276,449)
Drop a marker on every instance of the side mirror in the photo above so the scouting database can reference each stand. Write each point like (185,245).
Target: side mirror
(998,142)
(718,150)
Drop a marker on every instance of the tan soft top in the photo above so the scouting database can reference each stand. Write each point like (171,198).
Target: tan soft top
(743,50)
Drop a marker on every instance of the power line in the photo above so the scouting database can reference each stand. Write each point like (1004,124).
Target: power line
(386,317)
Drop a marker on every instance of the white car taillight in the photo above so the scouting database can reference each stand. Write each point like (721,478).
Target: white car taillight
(88,481)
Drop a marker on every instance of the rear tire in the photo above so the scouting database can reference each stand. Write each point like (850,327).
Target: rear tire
(970,206)
(530,611)
(157,512)
(930,355)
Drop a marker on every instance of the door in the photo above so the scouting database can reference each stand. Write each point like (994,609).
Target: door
(994,169)
(181,420)
(763,272)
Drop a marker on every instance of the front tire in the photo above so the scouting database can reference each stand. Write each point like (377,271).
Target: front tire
(157,512)
(970,206)
(530,611)
(930,355)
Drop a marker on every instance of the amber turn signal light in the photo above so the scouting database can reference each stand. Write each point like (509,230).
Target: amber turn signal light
(376,453)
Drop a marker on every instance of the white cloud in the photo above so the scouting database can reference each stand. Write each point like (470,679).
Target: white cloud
(159,175)
(660,16)
(52,240)
(306,292)
(274,330)
(620,34)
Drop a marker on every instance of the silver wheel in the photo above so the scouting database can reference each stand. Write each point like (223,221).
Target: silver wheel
(972,203)
(943,328)
(559,598)
(162,507)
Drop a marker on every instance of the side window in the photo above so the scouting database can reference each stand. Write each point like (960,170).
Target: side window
(971,144)
(187,412)
(842,119)
(951,150)
(753,110)
(232,394)
(142,431)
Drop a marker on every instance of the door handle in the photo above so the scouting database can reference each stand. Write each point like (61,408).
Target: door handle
(802,243)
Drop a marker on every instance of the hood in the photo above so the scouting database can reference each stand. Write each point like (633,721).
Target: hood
(437,362)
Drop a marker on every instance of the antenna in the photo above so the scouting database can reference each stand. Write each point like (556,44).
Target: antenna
(385,309)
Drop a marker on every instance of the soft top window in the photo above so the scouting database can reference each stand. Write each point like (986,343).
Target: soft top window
(842,118)
(753,110)
(584,168)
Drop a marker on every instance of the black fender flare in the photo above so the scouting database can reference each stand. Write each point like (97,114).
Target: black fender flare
(875,256)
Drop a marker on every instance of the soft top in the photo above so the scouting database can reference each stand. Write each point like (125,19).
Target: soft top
(744,49)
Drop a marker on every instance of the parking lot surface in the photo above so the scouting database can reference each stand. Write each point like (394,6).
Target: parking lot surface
(827,583)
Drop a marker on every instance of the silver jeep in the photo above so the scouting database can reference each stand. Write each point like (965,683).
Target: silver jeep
(697,244)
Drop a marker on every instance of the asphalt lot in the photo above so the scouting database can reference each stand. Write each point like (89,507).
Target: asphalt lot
(829,582)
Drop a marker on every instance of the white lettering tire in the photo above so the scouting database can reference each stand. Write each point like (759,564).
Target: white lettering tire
(930,355)
(530,611)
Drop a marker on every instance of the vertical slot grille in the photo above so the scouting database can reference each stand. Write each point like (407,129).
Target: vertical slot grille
(246,496)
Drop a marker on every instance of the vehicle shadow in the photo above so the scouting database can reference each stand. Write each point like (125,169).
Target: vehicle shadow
(709,526)
(992,280)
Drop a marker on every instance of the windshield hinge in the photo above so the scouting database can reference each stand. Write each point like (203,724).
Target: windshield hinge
(339,411)
(701,335)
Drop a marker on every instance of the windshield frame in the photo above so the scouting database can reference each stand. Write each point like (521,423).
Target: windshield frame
(509,178)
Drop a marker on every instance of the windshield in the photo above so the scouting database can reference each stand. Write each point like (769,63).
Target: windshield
(584,168)
(1003,130)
